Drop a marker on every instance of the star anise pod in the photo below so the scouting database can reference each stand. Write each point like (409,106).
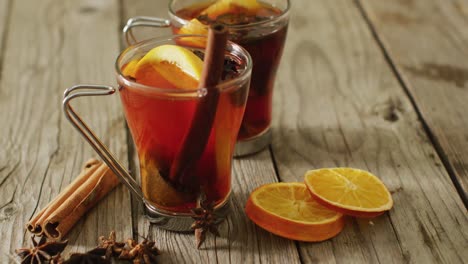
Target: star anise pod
(205,220)
(42,251)
(108,247)
(141,253)
(57,259)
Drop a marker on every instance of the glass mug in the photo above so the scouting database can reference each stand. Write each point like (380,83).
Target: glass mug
(263,39)
(167,127)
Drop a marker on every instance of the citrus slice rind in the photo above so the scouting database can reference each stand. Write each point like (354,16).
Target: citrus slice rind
(130,68)
(288,210)
(221,7)
(349,191)
(177,65)
(193,27)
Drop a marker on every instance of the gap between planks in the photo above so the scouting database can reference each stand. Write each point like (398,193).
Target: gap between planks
(435,142)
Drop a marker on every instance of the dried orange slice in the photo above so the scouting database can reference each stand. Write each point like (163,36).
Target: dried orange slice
(288,210)
(349,191)
(169,65)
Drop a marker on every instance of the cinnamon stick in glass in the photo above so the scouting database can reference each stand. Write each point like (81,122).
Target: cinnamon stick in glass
(58,217)
(194,143)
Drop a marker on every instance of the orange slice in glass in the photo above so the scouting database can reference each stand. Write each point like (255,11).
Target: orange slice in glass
(349,191)
(129,69)
(222,7)
(288,210)
(169,66)
(194,27)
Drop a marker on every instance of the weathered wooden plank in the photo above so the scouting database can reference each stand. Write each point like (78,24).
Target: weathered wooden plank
(427,42)
(241,241)
(146,8)
(338,104)
(52,45)
(4,19)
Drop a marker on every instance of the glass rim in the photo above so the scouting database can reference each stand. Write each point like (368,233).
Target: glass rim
(283,14)
(244,74)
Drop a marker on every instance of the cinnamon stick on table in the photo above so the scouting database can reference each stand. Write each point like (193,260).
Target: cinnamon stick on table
(195,141)
(58,217)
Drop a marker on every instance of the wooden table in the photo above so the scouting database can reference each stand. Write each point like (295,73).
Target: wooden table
(377,85)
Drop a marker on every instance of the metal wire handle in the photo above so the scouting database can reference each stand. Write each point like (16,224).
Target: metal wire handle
(99,90)
(142,21)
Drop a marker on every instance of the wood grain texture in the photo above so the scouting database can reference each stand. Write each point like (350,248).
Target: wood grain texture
(427,42)
(146,8)
(241,241)
(338,104)
(4,20)
(53,45)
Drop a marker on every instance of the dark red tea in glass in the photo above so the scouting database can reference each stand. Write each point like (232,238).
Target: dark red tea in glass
(258,26)
(159,121)
(160,117)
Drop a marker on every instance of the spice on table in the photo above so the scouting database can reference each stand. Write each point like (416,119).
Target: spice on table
(57,259)
(41,251)
(48,251)
(205,220)
(108,247)
(144,252)
(58,217)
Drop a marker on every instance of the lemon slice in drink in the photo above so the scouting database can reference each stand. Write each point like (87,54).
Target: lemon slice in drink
(170,65)
(129,69)
(221,7)
(194,27)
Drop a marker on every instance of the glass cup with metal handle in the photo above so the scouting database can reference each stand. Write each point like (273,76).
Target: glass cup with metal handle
(160,119)
(258,26)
